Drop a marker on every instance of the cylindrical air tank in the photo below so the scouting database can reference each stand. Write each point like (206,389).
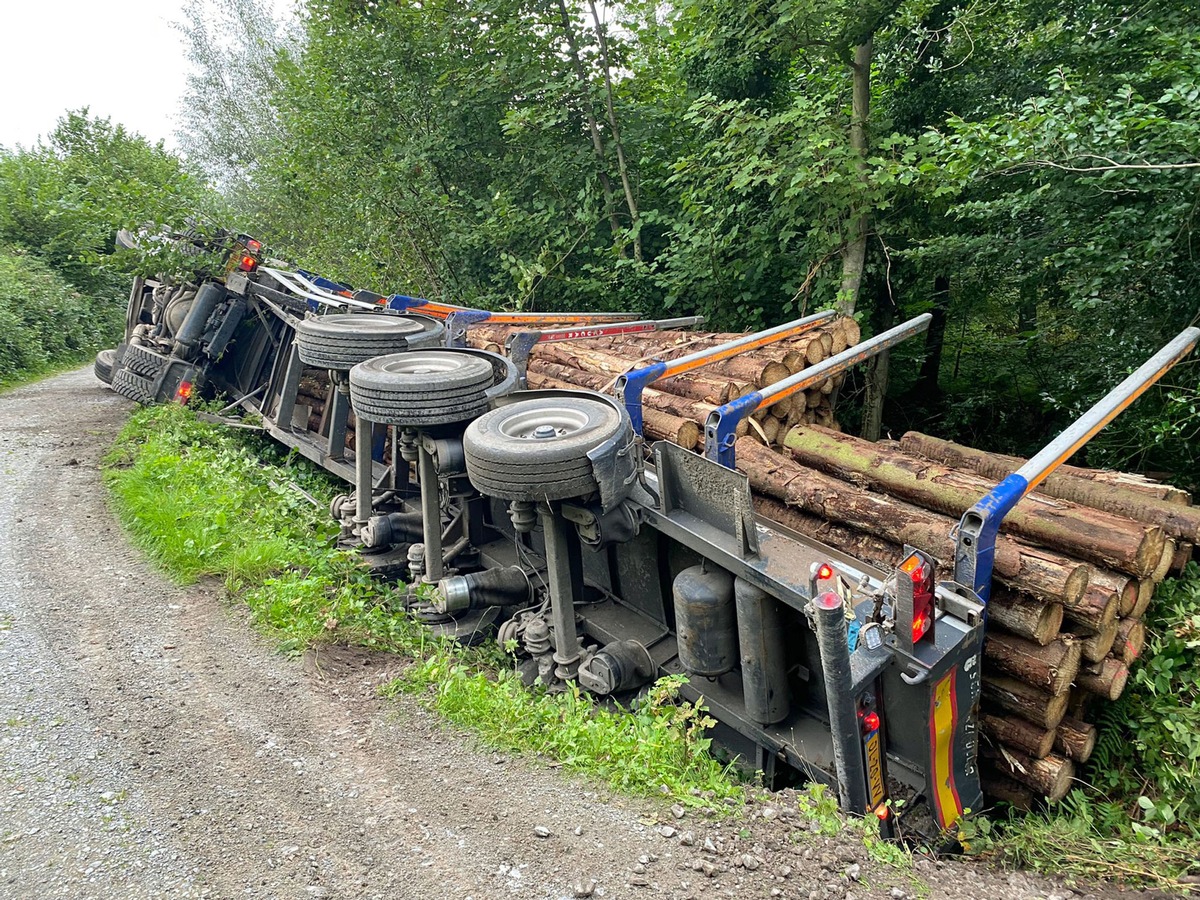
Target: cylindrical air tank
(705,621)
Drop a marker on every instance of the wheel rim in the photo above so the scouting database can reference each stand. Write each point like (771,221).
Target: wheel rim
(367,323)
(416,363)
(544,425)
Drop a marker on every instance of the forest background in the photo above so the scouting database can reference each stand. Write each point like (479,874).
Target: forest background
(1026,171)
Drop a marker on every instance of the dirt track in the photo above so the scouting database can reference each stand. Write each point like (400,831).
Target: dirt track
(151,745)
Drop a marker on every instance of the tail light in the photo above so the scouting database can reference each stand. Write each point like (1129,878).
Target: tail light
(254,247)
(248,263)
(919,570)
(183,393)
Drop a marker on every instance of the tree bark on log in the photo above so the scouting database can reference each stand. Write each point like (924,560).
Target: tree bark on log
(999,786)
(1095,611)
(1040,574)
(1019,733)
(1097,646)
(1051,777)
(1090,534)
(1131,640)
(1030,703)
(1125,587)
(1183,555)
(1051,668)
(1146,588)
(1024,616)
(1174,519)
(1075,739)
(1108,679)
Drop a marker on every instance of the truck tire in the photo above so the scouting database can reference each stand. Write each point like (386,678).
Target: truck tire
(142,362)
(420,388)
(343,341)
(538,449)
(103,366)
(136,387)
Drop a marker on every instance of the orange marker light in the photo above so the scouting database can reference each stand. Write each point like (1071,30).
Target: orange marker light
(825,572)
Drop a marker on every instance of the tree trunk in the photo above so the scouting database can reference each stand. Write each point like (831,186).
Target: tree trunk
(1108,679)
(1024,616)
(1078,530)
(855,254)
(1051,668)
(622,166)
(585,102)
(1131,640)
(1044,575)
(1096,646)
(878,375)
(1123,586)
(683,407)
(1037,706)
(1177,521)
(1095,611)
(1017,732)
(1075,740)
(999,786)
(935,340)
(1051,777)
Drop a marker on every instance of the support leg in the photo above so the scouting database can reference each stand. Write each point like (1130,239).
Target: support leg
(564,563)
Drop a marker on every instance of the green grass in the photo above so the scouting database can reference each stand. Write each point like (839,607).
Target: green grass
(204,501)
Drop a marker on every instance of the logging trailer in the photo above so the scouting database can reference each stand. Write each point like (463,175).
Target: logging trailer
(541,518)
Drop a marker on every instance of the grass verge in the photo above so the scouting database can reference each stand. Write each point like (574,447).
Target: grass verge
(206,501)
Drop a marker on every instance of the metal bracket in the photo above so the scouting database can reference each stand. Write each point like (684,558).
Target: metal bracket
(717,495)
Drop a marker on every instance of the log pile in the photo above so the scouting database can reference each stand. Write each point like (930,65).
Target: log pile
(1076,565)
(676,407)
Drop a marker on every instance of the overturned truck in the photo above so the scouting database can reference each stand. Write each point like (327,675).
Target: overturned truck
(547,519)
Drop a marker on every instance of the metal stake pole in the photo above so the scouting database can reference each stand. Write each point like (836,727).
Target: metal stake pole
(431,516)
(843,716)
(362,470)
(564,568)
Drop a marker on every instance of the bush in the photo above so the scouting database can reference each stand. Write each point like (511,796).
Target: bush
(44,321)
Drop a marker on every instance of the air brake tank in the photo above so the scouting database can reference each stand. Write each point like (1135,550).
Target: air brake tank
(705,620)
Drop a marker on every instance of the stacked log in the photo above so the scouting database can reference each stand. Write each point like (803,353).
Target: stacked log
(597,363)
(1076,566)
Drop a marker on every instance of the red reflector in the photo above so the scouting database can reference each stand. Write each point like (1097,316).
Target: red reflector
(183,393)
(254,246)
(826,571)
(871,722)
(921,624)
(248,264)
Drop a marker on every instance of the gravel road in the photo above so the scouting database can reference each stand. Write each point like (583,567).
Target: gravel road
(152,745)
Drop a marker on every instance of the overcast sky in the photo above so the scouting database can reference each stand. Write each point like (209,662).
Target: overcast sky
(121,58)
